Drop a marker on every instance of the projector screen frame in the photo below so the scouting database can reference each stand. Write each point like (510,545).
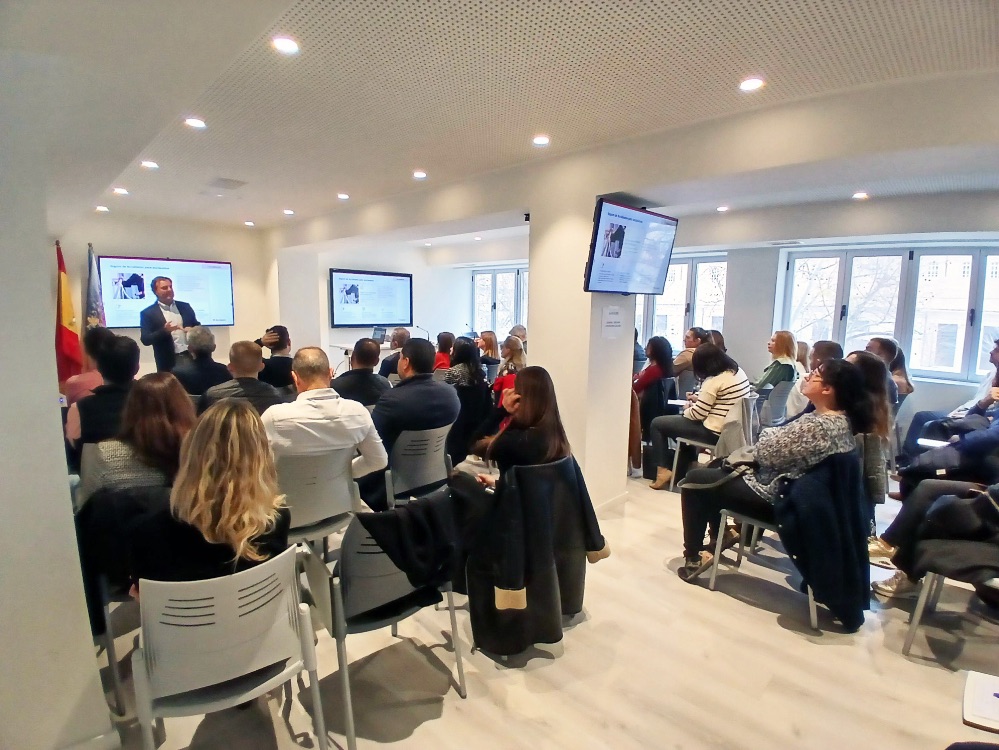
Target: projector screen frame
(373,323)
(151,298)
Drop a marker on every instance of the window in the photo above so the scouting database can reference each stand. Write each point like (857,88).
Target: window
(941,305)
(694,295)
(499,299)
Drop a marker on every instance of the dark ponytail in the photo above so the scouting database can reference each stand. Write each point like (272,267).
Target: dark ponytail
(850,390)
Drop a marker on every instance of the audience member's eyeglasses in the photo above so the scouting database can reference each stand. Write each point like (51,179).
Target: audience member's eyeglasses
(814,375)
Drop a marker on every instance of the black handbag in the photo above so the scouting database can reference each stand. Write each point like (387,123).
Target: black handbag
(970,517)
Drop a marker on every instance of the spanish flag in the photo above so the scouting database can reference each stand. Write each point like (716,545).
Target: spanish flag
(69,357)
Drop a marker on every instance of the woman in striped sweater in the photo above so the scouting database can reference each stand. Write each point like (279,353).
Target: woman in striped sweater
(724,384)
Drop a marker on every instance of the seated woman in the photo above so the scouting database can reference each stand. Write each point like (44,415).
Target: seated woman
(784,366)
(445,341)
(466,367)
(887,350)
(660,364)
(158,415)
(900,374)
(874,444)
(691,340)
(724,384)
(489,347)
(716,338)
(226,513)
(842,409)
(513,360)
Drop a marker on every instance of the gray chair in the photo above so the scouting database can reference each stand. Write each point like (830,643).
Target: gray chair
(109,597)
(686,382)
(773,412)
(394,378)
(757,525)
(929,597)
(215,644)
(418,461)
(320,492)
(439,375)
(737,430)
(365,592)
(491,371)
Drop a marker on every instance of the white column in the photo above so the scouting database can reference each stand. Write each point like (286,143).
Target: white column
(592,374)
(50,691)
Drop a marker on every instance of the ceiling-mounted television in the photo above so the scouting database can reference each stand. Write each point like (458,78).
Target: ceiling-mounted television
(363,299)
(629,251)
(126,288)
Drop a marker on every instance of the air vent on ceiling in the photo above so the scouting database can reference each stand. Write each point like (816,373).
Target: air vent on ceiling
(785,243)
(226,183)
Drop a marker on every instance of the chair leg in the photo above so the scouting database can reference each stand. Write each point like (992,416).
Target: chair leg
(755,540)
(317,710)
(395,630)
(722,523)
(143,702)
(813,617)
(743,533)
(917,613)
(348,708)
(676,461)
(931,606)
(109,650)
(457,645)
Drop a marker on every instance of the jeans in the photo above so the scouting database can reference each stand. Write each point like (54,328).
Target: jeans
(910,448)
(663,428)
(702,507)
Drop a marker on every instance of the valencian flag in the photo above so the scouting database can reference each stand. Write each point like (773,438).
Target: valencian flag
(69,357)
(95,305)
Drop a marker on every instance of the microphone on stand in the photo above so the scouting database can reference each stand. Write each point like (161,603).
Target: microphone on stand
(420,328)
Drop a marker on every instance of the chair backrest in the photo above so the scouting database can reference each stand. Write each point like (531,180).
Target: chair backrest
(370,408)
(317,486)
(686,382)
(652,402)
(774,411)
(491,371)
(201,633)
(418,459)
(368,578)
(638,366)
(439,375)
(738,428)
(394,378)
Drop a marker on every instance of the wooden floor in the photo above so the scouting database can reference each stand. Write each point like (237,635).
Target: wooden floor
(651,663)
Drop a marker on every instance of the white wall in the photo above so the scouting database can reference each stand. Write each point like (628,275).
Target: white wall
(254,284)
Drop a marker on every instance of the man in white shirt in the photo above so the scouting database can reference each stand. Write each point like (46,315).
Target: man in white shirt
(319,420)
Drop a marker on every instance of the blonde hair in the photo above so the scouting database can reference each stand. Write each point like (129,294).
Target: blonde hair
(804,354)
(227,483)
(785,345)
(517,359)
(491,348)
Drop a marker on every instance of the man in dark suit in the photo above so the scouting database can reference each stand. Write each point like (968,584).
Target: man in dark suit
(418,402)
(165,324)
(360,383)
(246,360)
(390,365)
(277,367)
(202,372)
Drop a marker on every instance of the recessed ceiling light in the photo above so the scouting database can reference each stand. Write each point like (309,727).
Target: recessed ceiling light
(860,196)
(285,45)
(120,191)
(194,122)
(477,239)
(721,209)
(102,209)
(219,195)
(426,244)
(752,84)
(248,223)
(419,174)
(289,212)
(342,196)
(541,140)
(149,165)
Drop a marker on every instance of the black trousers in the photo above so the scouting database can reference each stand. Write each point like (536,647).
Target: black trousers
(663,428)
(702,507)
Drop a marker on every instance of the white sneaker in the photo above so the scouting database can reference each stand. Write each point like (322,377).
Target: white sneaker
(634,473)
(897,587)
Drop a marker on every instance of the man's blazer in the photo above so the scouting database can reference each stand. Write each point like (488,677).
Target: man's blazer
(151,322)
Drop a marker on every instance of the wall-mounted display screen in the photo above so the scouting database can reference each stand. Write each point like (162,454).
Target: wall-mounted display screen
(359,299)
(629,251)
(126,288)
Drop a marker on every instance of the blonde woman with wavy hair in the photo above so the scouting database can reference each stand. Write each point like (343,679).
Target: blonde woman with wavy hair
(784,349)
(226,513)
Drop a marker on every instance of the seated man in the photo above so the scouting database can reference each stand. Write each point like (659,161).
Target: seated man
(96,417)
(246,360)
(319,420)
(821,351)
(417,403)
(201,372)
(277,367)
(941,426)
(390,365)
(965,457)
(360,383)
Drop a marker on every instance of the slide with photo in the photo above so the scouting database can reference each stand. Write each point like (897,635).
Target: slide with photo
(370,298)
(126,288)
(630,251)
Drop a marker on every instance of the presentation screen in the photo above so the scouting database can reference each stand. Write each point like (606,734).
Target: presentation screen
(126,288)
(630,250)
(359,299)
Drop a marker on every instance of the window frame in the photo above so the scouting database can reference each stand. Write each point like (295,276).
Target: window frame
(648,301)
(520,287)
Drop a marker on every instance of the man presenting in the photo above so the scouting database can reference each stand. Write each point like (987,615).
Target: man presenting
(165,324)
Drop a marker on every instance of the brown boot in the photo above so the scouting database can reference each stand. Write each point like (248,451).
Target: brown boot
(662,479)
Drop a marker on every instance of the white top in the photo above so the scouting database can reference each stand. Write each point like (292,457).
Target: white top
(716,398)
(172,315)
(318,421)
(796,400)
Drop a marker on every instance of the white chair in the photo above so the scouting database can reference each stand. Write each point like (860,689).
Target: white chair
(418,460)
(491,371)
(106,639)
(929,597)
(211,645)
(746,522)
(320,493)
(365,580)
(773,411)
(394,378)
(439,375)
